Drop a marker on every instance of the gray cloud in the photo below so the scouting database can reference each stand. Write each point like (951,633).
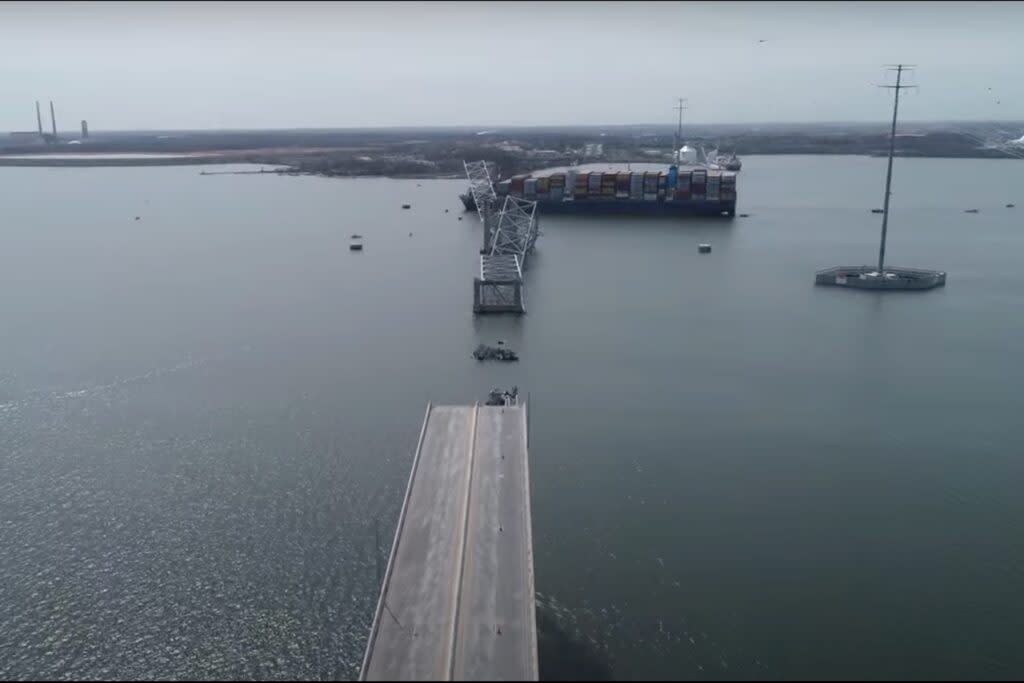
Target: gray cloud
(282,65)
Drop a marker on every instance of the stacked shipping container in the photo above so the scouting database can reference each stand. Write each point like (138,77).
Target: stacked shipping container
(705,188)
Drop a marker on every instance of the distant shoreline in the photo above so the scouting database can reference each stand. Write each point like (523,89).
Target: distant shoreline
(286,167)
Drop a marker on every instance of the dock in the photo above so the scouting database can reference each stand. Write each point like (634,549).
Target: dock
(457,601)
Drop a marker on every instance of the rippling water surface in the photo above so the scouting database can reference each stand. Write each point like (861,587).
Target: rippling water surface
(205,412)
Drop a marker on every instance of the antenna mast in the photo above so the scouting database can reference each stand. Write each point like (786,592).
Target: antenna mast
(899,69)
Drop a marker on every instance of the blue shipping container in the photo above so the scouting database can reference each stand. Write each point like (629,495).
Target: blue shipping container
(673,176)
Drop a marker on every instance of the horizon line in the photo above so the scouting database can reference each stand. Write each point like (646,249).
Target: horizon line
(499,128)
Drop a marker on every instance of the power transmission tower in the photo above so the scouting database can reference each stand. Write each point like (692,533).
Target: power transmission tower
(899,69)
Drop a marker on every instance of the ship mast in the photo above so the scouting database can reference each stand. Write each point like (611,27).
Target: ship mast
(677,140)
(899,69)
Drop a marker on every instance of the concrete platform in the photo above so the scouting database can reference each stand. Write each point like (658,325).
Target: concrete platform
(895,278)
(458,595)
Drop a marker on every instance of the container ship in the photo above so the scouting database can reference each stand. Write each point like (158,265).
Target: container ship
(637,189)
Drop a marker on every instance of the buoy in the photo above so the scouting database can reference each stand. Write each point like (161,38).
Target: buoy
(704,248)
(460,218)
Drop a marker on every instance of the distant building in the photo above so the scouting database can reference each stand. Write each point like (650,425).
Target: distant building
(85,130)
(545,154)
(593,150)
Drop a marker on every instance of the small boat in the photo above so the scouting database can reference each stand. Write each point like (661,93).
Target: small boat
(355,246)
(704,248)
(357,237)
(1010,206)
(406,206)
(877,210)
(970,211)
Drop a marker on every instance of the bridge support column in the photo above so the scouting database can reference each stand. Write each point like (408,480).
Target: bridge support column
(498,296)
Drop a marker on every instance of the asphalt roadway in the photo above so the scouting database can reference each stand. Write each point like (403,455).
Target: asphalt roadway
(458,596)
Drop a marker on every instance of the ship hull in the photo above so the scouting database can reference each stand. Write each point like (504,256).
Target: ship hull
(627,207)
(637,207)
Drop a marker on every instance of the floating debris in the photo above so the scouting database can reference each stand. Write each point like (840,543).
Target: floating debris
(497,397)
(704,248)
(484,352)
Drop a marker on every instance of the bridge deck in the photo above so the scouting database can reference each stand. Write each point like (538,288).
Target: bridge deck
(458,595)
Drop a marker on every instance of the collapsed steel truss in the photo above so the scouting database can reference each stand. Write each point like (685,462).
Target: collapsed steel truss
(516,229)
(500,267)
(510,235)
(481,189)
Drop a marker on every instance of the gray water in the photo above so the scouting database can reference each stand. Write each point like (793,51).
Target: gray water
(204,413)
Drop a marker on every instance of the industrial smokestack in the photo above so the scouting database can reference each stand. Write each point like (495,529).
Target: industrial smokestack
(53,119)
(85,129)
(39,119)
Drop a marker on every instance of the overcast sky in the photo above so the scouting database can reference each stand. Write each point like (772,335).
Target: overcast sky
(151,65)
